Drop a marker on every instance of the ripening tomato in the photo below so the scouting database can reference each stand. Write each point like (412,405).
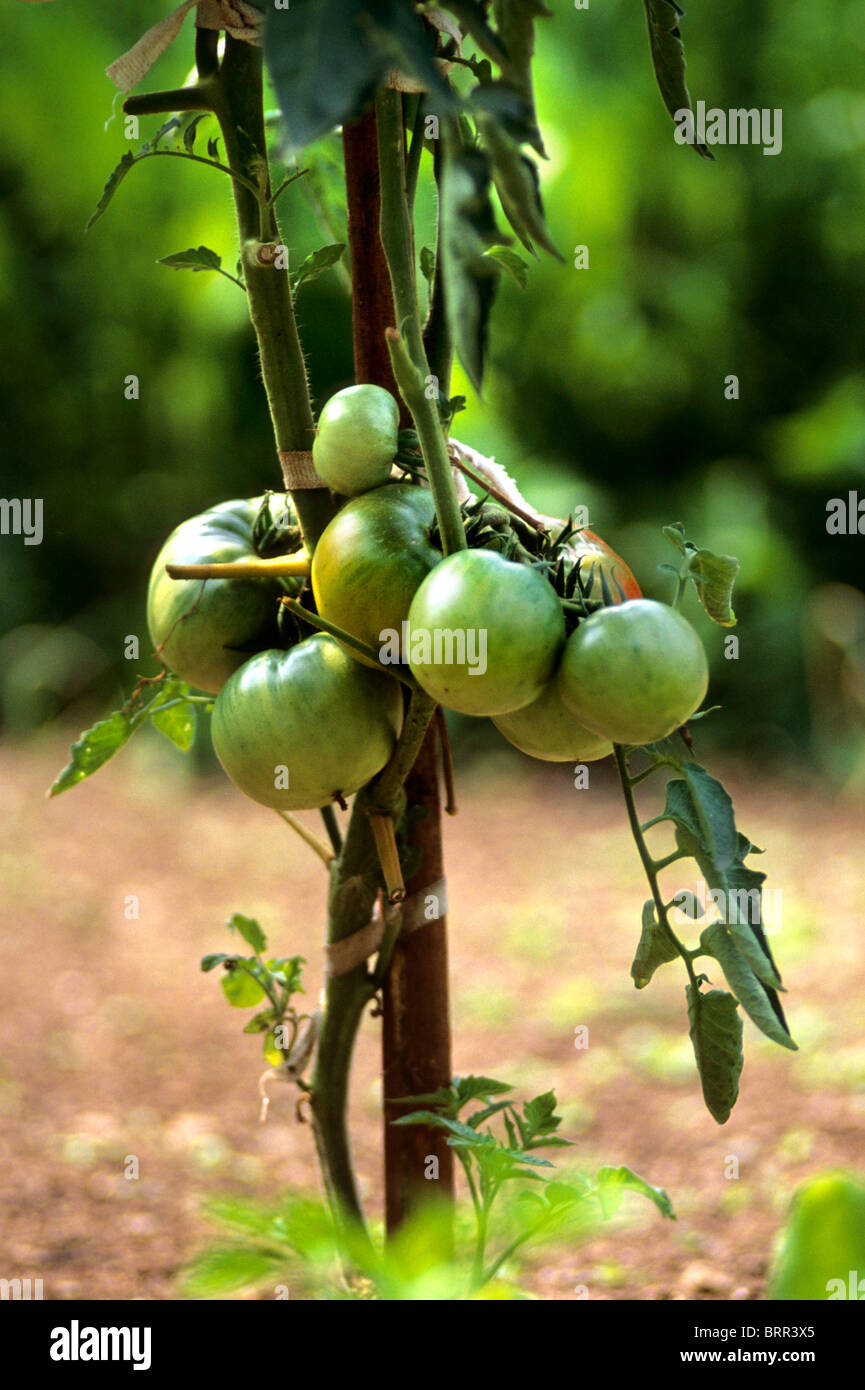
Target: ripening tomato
(370,559)
(356,441)
(296,729)
(597,558)
(484,633)
(204,631)
(633,672)
(546,729)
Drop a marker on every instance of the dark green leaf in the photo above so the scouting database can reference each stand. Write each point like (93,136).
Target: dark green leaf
(468,227)
(703,813)
(473,22)
(92,749)
(260,1023)
(716,1035)
(516,181)
(315,264)
(668,57)
(326,58)
(614,1182)
(513,263)
(427,264)
(753,996)
(248,928)
(196,258)
(515,21)
(213,147)
(115,178)
(655,948)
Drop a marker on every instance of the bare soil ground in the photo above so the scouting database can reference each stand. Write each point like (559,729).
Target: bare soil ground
(114,1044)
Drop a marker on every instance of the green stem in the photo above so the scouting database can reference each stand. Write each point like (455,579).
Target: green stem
(331,825)
(237,104)
(650,866)
(408,357)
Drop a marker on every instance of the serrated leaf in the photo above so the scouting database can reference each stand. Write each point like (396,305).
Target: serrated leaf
(95,746)
(513,263)
(515,22)
(248,928)
(516,179)
(716,575)
(326,59)
(177,724)
(115,178)
(316,263)
(196,258)
(668,58)
(468,227)
(473,22)
(213,147)
(655,948)
(675,534)
(753,996)
(716,1036)
(613,1183)
(703,815)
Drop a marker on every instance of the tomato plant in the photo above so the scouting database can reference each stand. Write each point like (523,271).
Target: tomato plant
(372,557)
(356,441)
(298,729)
(511,628)
(204,631)
(634,672)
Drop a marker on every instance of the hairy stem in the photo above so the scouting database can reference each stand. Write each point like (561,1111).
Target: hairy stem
(410,364)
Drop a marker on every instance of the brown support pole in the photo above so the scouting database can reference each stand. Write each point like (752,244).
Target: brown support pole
(416,1048)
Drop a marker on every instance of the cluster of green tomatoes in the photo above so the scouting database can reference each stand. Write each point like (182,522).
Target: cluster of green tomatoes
(564,669)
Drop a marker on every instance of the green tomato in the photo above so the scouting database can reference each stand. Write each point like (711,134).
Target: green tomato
(203,632)
(296,729)
(370,560)
(546,729)
(356,441)
(484,633)
(635,672)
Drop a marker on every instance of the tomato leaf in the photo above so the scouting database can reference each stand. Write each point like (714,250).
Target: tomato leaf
(513,264)
(515,21)
(668,58)
(613,1183)
(516,179)
(326,58)
(177,724)
(240,987)
(655,948)
(113,182)
(714,577)
(427,264)
(248,928)
(315,264)
(196,258)
(716,1035)
(95,746)
(468,227)
(758,1000)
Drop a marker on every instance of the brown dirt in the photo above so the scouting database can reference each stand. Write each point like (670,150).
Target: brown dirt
(113,1044)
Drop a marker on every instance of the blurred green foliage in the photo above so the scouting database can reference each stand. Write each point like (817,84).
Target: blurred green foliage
(606,384)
